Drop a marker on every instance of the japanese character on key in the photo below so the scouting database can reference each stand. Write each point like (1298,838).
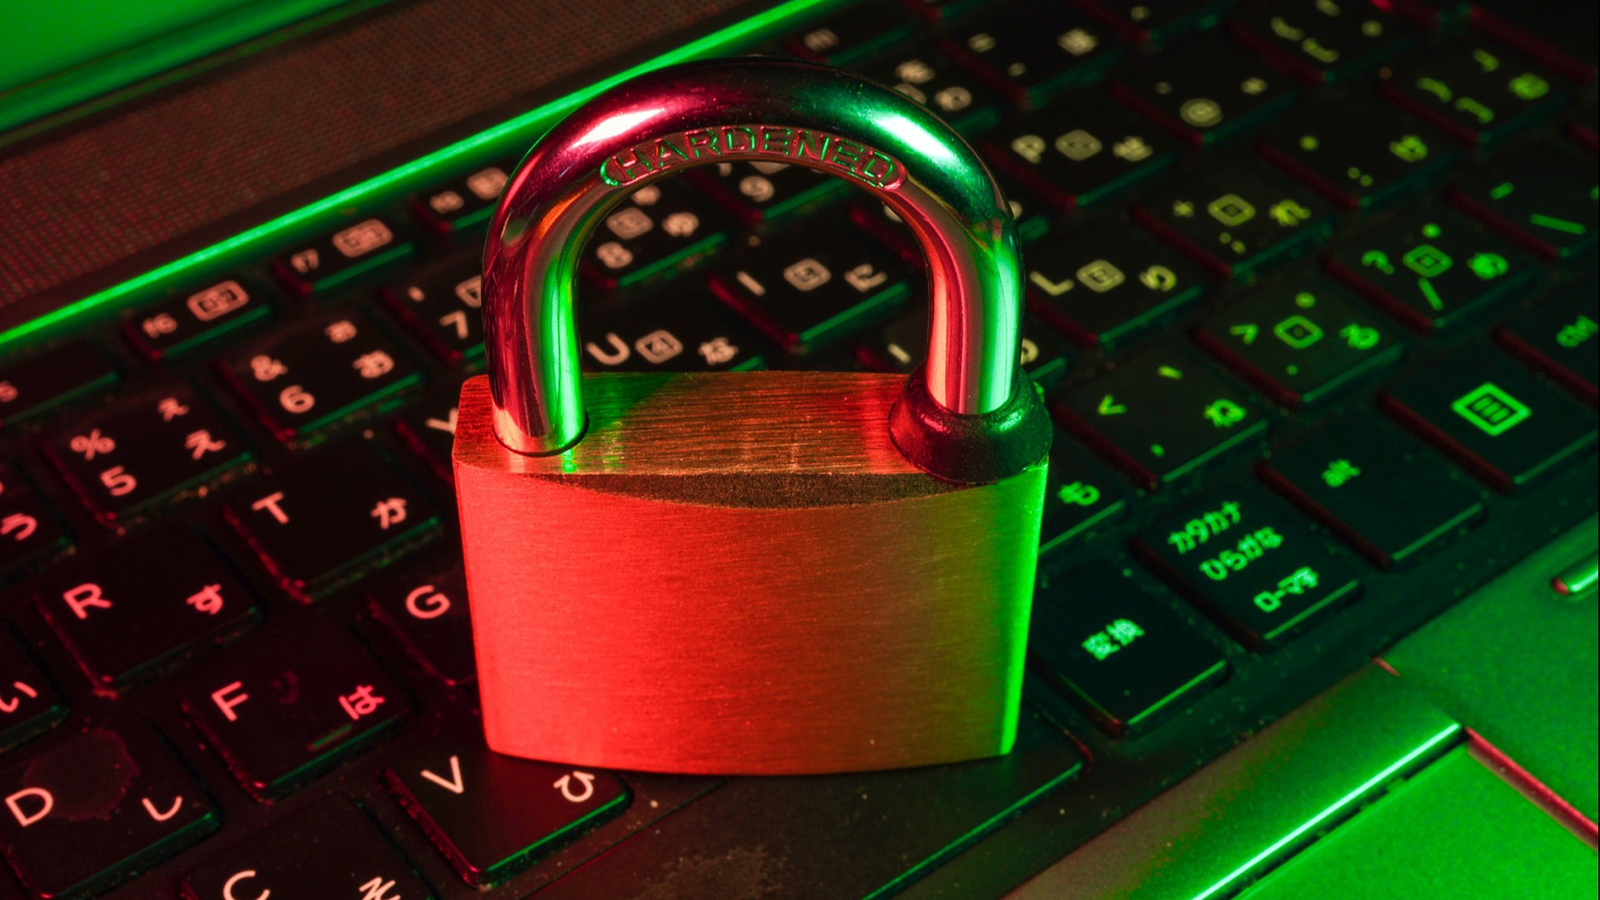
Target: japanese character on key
(363,702)
(1100,645)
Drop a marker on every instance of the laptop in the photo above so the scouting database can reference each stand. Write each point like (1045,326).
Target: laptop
(1311,293)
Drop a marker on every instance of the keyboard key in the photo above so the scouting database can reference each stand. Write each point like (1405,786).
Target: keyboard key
(1207,91)
(147,453)
(1496,418)
(1358,156)
(428,616)
(29,529)
(1160,415)
(1249,562)
(1558,336)
(1236,222)
(1561,38)
(1476,90)
(182,325)
(98,808)
(1348,474)
(1079,496)
(1155,21)
(147,605)
(1322,42)
(1126,658)
(1082,151)
(1027,50)
(659,229)
(351,254)
(29,702)
(43,382)
(428,429)
(925,75)
(493,815)
(674,329)
(325,519)
(466,203)
(1432,268)
(319,371)
(329,850)
(1299,340)
(1106,284)
(440,305)
(846,36)
(1541,196)
(283,712)
(902,345)
(757,192)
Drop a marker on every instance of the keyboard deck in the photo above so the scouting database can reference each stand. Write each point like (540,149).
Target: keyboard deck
(1312,292)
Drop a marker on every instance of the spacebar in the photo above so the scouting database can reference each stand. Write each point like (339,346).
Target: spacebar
(836,836)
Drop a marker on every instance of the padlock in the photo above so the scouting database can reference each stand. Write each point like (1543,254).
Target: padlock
(759,572)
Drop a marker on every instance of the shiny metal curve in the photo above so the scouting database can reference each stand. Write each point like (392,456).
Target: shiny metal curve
(728,110)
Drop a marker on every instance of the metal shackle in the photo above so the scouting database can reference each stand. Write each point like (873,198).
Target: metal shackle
(969,414)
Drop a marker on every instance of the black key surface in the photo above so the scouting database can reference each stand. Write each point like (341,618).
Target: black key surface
(902,346)
(494,815)
(1118,652)
(29,702)
(757,192)
(428,429)
(1322,41)
(1559,336)
(98,808)
(354,253)
(659,229)
(326,518)
(678,328)
(464,203)
(147,452)
(329,850)
(1207,90)
(1250,562)
(844,37)
(1155,21)
(1542,196)
(1565,38)
(1081,151)
(923,73)
(1106,284)
(1503,423)
(1080,495)
(1475,89)
(429,618)
(148,604)
(29,529)
(1235,221)
(40,383)
(1358,154)
(282,712)
(1027,50)
(182,325)
(1432,268)
(1299,340)
(440,304)
(1159,415)
(320,371)
(1390,497)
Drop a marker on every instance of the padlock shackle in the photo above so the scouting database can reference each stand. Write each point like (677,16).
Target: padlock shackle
(724,111)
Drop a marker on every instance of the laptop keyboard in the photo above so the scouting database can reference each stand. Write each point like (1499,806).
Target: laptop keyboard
(1311,289)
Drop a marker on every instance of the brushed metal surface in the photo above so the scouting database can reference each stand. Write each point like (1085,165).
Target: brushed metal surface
(739,574)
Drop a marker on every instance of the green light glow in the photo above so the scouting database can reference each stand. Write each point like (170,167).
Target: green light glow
(739,32)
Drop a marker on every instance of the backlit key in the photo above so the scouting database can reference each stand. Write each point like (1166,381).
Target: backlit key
(1543,196)
(355,252)
(1235,222)
(1322,41)
(428,616)
(37,384)
(1476,90)
(29,529)
(184,324)
(465,203)
(1107,284)
(1358,156)
(1207,90)
(1561,336)
(29,703)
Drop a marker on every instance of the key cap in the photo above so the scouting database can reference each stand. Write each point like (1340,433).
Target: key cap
(1584,126)
(1082,151)
(1299,341)
(348,256)
(318,372)
(463,204)
(329,850)
(902,346)
(675,329)
(1126,659)
(30,532)
(1159,416)
(181,325)
(927,76)
(428,616)
(940,10)
(493,815)
(1476,90)
(440,304)
(813,289)
(1028,50)
(1494,417)
(1432,268)
(322,521)
(1248,562)
(1348,474)
(29,702)
(1358,156)
(1206,91)
(1080,495)
(844,37)
(1107,284)
(1433,14)
(43,382)
(1561,38)
(98,808)
(658,230)
(1155,21)
(282,712)
(757,192)
(148,452)
(1322,42)
(1236,222)
(428,429)
(1541,196)
(1558,336)
(146,606)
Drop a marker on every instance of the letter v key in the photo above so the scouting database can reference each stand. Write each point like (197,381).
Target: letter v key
(456,785)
